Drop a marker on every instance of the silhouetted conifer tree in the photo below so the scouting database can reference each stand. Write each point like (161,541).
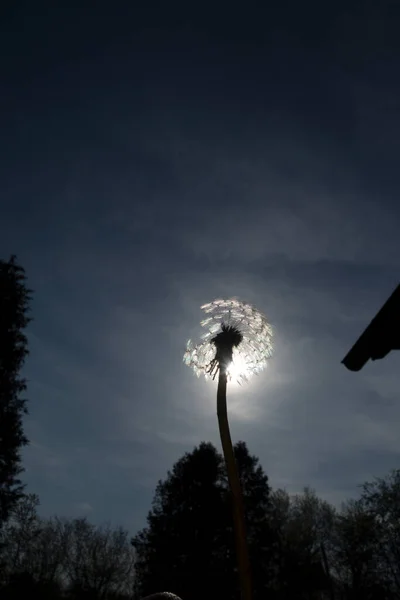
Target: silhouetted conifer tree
(14,306)
(188,546)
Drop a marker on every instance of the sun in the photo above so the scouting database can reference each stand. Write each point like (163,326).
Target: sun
(238,369)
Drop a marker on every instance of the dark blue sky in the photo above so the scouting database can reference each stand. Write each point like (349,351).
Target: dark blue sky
(153,158)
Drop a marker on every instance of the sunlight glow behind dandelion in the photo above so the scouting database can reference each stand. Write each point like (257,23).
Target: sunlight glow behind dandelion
(249,357)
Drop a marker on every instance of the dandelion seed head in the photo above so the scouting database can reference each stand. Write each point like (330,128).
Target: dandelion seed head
(249,336)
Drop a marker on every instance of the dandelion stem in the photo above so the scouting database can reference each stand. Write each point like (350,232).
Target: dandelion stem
(234,484)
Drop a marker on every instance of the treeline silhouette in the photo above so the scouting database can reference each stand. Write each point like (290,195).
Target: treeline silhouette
(301,547)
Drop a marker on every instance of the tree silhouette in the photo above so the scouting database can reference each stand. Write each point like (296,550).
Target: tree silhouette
(305,524)
(14,306)
(188,546)
(356,563)
(70,558)
(182,536)
(380,501)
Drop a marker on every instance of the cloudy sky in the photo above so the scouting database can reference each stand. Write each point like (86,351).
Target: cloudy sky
(153,159)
